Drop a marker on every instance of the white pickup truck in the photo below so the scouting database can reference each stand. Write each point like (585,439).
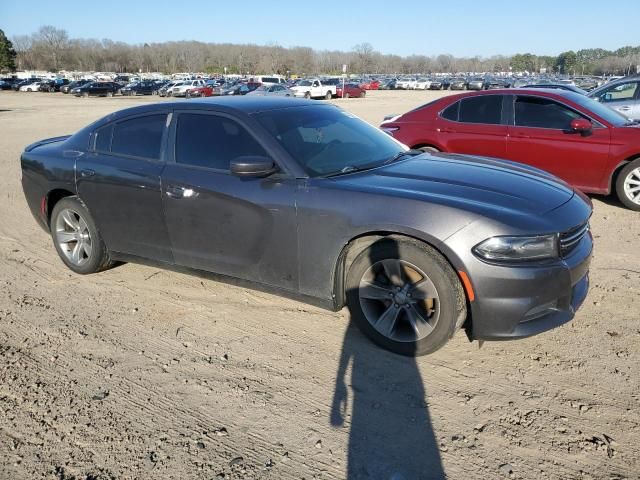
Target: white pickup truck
(313,88)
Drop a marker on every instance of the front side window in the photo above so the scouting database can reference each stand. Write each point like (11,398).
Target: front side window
(539,112)
(212,141)
(481,109)
(619,93)
(139,137)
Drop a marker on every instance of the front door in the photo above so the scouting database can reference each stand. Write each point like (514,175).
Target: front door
(542,137)
(242,227)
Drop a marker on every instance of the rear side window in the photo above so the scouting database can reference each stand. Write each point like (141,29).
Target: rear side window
(481,109)
(139,137)
(212,141)
(539,112)
(451,112)
(103,138)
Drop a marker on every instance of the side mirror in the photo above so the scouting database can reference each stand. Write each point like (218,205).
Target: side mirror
(252,166)
(581,125)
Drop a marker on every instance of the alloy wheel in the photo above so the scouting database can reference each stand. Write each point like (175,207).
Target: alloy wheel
(399,300)
(73,237)
(632,186)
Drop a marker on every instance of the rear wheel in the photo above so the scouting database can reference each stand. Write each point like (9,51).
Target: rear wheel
(346,94)
(405,296)
(628,185)
(109,94)
(429,149)
(328,96)
(363,94)
(76,237)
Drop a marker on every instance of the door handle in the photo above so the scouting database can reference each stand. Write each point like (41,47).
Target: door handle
(87,173)
(175,192)
(624,109)
(519,135)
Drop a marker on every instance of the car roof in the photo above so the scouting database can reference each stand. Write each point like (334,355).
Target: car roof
(243,104)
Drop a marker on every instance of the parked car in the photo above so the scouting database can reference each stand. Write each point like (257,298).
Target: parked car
(590,146)
(140,88)
(5,85)
(350,90)
(388,85)
(70,86)
(477,84)
(164,90)
(557,86)
(236,89)
(370,85)
(406,83)
(436,84)
(96,89)
(421,84)
(277,90)
(622,95)
(314,88)
(30,87)
(317,202)
(181,89)
(458,83)
(53,85)
(205,91)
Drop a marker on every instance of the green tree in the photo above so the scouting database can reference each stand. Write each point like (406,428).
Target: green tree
(7,54)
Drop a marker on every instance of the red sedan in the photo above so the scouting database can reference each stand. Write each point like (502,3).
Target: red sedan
(350,90)
(371,85)
(206,91)
(590,146)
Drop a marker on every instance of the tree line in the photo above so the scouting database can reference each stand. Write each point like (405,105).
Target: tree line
(52,49)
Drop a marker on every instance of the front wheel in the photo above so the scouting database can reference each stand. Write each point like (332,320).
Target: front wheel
(628,185)
(76,237)
(109,94)
(307,95)
(363,94)
(405,296)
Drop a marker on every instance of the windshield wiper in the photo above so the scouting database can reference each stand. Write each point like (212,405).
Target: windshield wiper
(401,154)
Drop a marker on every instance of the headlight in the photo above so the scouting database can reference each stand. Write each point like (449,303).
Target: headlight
(514,249)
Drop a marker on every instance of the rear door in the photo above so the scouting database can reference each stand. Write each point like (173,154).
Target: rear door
(242,227)
(119,181)
(541,136)
(474,125)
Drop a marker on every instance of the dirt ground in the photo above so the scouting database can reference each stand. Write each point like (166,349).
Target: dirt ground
(144,373)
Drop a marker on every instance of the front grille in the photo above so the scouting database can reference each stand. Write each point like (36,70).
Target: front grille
(570,239)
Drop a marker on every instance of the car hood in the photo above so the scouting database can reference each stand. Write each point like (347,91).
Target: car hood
(470,182)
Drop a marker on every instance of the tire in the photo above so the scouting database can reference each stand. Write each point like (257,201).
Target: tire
(328,96)
(346,95)
(363,94)
(85,94)
(109,94)
(70,218)
(435,320)
(626,183)
(307,95)
(187,95)
(52,90)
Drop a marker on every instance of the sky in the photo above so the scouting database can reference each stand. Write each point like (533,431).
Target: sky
(459,27)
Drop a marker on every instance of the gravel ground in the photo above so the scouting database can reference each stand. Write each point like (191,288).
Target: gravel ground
(144,373)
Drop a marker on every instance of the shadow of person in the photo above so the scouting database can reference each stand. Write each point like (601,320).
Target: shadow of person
(390,432)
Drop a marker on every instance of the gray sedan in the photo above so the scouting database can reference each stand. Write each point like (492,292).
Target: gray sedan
(307,199)
(622,95)
(272,90)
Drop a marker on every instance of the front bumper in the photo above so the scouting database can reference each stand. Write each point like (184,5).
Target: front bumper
(521,301)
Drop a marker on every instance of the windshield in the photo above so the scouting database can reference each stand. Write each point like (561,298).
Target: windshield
(326,140)
(608,114)
(305,83)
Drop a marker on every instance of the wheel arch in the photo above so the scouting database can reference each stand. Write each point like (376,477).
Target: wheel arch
(361,242)
(420,145)
(52,198)
(616,171)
